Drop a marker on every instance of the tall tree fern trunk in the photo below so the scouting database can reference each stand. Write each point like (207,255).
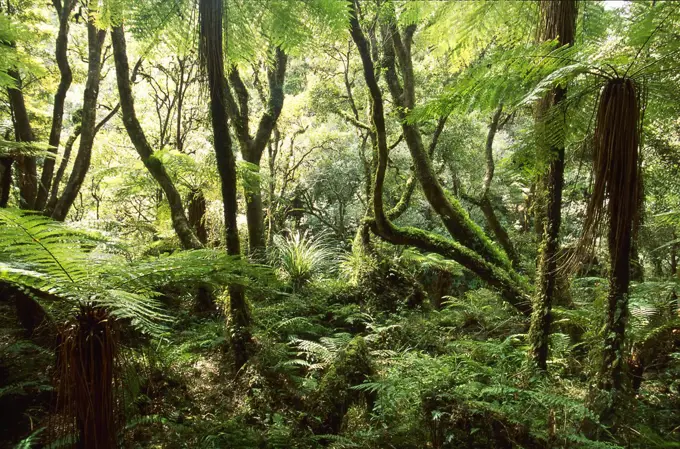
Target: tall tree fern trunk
(617,139)
(558,21)
(87,364)
(211,14)
(615,198)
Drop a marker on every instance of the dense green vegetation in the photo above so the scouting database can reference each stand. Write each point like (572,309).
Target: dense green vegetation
(344,224)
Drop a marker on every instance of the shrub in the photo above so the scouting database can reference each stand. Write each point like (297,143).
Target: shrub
(301,258)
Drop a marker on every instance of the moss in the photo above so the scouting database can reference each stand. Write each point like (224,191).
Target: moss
(388,287)
(484,244)
(453,424)
(335,396)
(162,246)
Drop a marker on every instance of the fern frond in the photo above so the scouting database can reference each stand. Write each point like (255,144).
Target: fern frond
(34,242)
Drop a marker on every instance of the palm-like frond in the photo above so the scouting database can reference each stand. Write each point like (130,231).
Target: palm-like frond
(9,148)
(40,255)
(301,257)
(319,355)
(34,245)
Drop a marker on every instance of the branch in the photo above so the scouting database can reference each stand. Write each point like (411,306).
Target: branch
(511,290)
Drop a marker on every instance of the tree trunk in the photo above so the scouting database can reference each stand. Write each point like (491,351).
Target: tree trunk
(81,165)
(674,256)
(253,147)
(383,227)
(617,303)
(255,218)
(136,133)
(616,142)
(54,188)
(485,203)
(61,55)
(558,21)
(498,230)
(196,206)
(27,175)
(5,179)
(453,216)
(211,14)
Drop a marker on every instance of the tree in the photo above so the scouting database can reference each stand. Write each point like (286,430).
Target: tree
(617,137)
(64,10)
(558,22)
(152,163)
(25,165)
(95,41)
(252,148)
(472,249)
(211,13)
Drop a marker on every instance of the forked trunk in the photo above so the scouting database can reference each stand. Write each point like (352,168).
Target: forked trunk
(61,55)
(81,164)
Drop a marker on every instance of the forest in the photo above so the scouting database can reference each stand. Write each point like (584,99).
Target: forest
(339,224)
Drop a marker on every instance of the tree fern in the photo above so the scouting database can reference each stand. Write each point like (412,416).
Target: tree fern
(40,255)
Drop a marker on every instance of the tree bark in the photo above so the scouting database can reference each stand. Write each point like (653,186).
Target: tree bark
(81,164)
(5,179)
(253,147)
(674,256)
(211,13)
(61,55)
(26,170)
(68,148)
(485,202)
(196,206)
(558,19)
(383,227)
(136,133)
(54,188)
(454,217)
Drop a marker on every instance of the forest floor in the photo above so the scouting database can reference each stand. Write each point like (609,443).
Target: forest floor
(370,365)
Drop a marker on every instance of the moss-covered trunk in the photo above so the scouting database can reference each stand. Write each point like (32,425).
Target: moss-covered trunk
(558,21)
(211,14)
(81,165)
(136,133)
(499,275)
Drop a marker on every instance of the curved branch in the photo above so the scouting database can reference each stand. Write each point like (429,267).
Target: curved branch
(383,227)
(154,165)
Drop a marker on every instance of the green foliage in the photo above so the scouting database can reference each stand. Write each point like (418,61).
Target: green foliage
(301,257)
(70,266)
(450,398)
(14,149)
(363,344)
(290,25)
